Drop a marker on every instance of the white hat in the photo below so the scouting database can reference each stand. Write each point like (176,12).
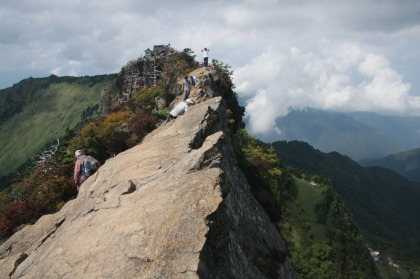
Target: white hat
(189,101)
(78,153)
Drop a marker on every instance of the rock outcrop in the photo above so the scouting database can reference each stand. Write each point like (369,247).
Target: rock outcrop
(137,74)
(209,85)
(174,206)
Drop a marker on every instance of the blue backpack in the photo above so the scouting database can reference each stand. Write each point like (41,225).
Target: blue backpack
(88,166)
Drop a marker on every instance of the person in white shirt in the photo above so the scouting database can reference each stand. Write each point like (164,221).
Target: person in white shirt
(180,109)
(206,56)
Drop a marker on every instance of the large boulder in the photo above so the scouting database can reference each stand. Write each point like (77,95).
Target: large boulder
(174,206)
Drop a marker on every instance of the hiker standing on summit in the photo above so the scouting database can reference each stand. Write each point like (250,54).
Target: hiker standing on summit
(206,56)
(85,166)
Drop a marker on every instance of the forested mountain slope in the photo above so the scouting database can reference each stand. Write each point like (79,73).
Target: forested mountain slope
(38,110)
(385,204)
(405,163)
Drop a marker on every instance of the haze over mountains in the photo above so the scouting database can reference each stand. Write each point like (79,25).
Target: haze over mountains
(405,163)
(359,135)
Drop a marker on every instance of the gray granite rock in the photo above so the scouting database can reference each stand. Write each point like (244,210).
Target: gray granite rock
(174,206)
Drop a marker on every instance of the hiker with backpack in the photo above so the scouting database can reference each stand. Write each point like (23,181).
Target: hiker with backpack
(194,80)
(85,166)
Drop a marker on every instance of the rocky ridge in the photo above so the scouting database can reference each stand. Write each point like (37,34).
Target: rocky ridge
(174,206)
(137,74)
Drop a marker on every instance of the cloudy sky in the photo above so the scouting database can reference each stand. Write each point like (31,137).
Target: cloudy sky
(358,55)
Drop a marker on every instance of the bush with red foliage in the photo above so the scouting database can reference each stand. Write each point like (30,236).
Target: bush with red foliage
(43,192)
(142,123)
(17,214)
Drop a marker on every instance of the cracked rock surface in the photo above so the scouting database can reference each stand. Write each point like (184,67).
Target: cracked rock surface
(174,206)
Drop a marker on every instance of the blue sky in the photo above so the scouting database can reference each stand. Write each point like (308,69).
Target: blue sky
(361,55)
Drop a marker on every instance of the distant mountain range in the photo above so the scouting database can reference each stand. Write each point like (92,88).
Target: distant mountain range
(385,204)
(359,135)
(405,163)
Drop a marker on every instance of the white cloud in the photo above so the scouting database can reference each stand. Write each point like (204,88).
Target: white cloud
(342,77)
(56,71)
(372,64)
(342,55)
(261,108)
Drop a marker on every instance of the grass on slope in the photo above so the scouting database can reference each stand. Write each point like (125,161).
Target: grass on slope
(42,121)
(307,197)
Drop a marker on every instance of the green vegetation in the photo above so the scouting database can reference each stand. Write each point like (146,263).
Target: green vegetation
(42,114)
(385,205)
(145,98)
(221,68)
(269,181)
(405,163)
(322,236)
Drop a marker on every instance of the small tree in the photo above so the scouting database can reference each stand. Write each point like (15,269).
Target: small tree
(145,98)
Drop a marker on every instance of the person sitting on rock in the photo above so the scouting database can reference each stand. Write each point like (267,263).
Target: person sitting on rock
(180,109)
(85,166)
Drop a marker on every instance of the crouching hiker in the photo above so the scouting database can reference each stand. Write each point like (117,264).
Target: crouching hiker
(194,80)
(180,109)
(85,166)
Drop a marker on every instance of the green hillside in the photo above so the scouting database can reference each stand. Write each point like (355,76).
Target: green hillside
(323,239)
(386,206)
(35,112)
(405,163)
(322,236)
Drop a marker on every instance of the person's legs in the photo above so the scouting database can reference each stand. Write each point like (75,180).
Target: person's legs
(206,61)
(186,94)
(170,116)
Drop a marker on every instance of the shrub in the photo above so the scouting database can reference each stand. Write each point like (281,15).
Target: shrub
(104,138)
(187,58)
(145,98)
(162,113)
(17,214)
(142,123)
(264,172)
